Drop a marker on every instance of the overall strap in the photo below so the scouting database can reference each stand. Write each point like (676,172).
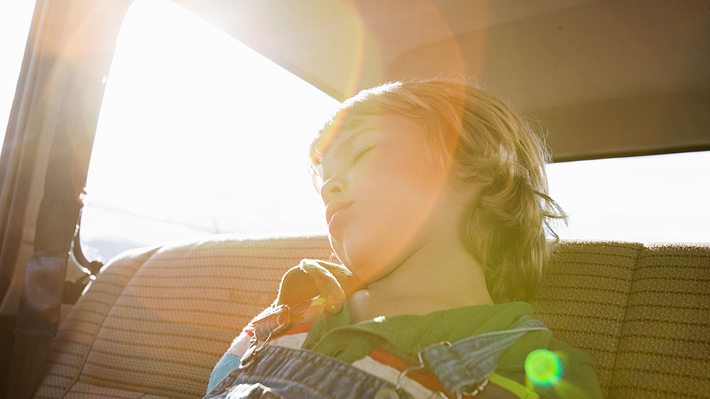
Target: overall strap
(463,367)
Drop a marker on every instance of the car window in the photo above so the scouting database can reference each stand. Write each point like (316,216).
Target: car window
(659,198)
(198,135)
(15,21)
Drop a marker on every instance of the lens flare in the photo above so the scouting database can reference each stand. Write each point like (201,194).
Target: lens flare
(543,367)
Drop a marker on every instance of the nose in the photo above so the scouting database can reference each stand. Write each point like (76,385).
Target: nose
(332,188)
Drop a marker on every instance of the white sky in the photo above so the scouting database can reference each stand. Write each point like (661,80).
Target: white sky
(664,198)
(200,134)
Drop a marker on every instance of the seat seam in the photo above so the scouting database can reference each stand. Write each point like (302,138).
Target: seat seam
(639,250)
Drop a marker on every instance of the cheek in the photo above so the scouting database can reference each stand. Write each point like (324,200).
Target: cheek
(396,192)
(406,182)
(389,220)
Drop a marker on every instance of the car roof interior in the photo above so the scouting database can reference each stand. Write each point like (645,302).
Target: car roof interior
(605,78)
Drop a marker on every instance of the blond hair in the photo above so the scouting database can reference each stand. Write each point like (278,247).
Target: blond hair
(482,140)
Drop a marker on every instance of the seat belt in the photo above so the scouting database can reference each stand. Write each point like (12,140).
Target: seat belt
(74,289)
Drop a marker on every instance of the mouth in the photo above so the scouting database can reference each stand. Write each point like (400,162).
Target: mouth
(335,209)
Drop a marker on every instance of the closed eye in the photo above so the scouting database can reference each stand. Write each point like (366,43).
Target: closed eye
(360,154)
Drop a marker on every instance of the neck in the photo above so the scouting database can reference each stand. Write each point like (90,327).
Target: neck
(432,278)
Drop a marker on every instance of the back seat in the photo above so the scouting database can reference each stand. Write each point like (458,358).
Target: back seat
(157,319)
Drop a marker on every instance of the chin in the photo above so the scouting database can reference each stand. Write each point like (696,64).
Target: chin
(367,265)
(374,251)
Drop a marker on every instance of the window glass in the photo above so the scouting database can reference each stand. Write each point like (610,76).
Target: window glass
(15,21)
(661,198)
(198,135)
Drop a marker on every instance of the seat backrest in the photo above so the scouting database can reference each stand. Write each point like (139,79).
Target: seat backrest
(664,348)
(583,298)
(156,320)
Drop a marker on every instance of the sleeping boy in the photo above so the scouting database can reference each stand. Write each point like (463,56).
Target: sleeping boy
(438,212)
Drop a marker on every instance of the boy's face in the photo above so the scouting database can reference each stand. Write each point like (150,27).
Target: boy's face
(386,197)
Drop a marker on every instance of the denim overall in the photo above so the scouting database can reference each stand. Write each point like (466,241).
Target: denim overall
(462,367)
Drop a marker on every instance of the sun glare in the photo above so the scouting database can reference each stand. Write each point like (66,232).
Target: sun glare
(199,134)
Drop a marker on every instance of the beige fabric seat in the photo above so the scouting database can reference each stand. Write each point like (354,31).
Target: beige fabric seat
(156,320)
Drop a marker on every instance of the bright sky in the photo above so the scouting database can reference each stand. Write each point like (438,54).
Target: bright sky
(198,134)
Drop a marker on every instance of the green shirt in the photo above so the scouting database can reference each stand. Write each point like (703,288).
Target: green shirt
(406,335)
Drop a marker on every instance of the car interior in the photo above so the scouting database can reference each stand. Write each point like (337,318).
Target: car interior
(606,79)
